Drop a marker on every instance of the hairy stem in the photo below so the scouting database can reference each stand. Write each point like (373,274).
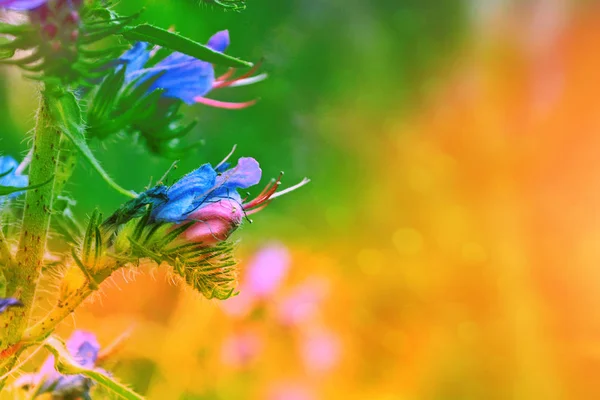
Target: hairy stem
(24,276)
(63,308)
(61,311)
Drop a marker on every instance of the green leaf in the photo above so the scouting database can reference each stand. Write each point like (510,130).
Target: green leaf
(6,190)
(65,364)
(176,42)
(5,52)
(66,113)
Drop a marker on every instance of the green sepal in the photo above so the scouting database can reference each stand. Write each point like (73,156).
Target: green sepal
(136,207)
(5,52)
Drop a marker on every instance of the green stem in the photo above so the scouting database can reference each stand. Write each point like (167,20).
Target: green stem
(23,278)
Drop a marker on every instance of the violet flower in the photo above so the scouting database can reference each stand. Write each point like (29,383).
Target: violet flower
(184,77)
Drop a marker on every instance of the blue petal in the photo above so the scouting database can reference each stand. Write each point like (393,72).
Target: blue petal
(219,41)
(184,77)
(6,303)
(245,174)
(135,58)
(7,164)
(183,195)
(203,187)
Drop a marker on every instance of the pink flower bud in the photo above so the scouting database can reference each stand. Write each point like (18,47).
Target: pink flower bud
(214,222)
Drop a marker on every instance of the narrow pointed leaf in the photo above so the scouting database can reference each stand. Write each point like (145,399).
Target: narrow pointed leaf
(6,190)
(67,115)
(176,42)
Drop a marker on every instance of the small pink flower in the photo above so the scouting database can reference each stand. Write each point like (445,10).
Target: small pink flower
(303,303)
(320,351)
(268,268)
(239,350)
(290,391)
(263,276)
(240,305)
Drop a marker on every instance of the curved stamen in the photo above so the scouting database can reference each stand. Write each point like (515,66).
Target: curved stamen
(248,81)
(265,195)
(225,76)
(225,83)
(290,189)
(223,104)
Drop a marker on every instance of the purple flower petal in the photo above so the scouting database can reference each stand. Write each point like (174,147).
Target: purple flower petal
(6,303)
(84,347)
(21,5)
(245,174)
(219,41)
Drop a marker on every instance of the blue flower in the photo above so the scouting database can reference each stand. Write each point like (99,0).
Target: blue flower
(209,197)
(184,77)
(205,186)
(21,5)
(6,303)
(9,175)
(84,348)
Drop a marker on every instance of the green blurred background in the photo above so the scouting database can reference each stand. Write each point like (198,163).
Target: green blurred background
(322,57)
